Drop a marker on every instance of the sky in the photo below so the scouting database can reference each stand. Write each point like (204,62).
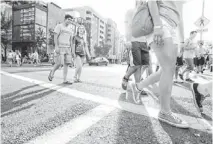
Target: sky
(116,9)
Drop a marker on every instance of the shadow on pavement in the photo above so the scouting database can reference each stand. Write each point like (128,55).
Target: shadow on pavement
(133,128)
(182,136)
(11,103)
(8,95)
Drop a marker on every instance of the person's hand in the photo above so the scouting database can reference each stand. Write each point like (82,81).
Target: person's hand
(89,57)
(158,35)
(57,51)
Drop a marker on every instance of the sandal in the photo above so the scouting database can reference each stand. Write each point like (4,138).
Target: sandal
(50,77)
(67,82)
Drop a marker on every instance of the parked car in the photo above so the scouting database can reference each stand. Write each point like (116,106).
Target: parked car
(99,61)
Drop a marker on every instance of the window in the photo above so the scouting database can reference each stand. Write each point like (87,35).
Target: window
(101,32)
(88,18)
(109,35)
(102,22)
(101,37)
(101,27)
(41,17)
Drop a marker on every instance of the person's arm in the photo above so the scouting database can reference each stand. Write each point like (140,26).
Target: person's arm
(87,51)
(73,46)
(154,12)
(181,27)
(56,35)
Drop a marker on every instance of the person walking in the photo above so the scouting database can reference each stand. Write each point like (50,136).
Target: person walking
(18,58)
(63,44)
(138,54)
(79,51)
(167,20)
(190,47)
(10,58)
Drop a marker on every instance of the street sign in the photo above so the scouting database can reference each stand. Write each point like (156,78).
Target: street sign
(202,30)
(202,22)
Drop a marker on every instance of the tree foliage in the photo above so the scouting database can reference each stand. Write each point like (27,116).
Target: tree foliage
(41,40)
(6,27)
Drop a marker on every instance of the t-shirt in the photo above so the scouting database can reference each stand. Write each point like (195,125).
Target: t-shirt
(64,37)
(128,20)
(189,49)
(79,45)
(171,11)
(10,55)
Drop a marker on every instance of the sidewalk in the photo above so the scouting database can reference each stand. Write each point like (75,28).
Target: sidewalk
(28,65)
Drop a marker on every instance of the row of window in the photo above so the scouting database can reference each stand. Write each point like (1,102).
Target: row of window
(101,32)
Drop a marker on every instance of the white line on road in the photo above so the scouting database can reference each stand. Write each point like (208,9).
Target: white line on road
(137,109)
(68,131)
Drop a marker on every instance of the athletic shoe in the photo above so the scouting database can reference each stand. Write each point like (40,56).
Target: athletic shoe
(135,92)
(189,80)
(173,120)
(197,97)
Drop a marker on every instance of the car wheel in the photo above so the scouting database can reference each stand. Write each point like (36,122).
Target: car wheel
(97,64)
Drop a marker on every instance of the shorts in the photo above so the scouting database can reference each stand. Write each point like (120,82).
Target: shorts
(190,64)
(169,32)
(195,61)
(201,61)
(63,57)
(137,55)
(179,61)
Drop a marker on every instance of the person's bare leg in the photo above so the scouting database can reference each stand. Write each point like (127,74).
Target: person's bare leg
(166,56)
(65,71)
(78,66)
(138,73)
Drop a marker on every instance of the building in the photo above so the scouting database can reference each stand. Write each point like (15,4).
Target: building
(112,39)
(29,26)
(96,26)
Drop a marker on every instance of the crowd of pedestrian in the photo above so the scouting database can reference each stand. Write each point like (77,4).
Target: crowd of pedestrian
(176,57)
(15,57)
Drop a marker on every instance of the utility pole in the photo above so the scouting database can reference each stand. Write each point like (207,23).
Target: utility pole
(201,33)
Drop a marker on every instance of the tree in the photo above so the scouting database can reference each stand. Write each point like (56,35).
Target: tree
(41,40)
(88,31)
(6,27)
(51,37)
(102,50)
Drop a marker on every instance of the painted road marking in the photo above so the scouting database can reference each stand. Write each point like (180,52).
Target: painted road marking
(137,109)
(69,130)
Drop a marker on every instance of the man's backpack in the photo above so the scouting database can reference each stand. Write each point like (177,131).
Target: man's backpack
(142,23)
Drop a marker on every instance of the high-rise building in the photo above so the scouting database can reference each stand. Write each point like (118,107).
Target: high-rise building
(112,39)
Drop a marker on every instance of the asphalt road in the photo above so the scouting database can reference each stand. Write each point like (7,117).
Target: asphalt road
(33,110)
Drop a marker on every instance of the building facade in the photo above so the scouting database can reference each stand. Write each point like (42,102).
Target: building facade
(29,27)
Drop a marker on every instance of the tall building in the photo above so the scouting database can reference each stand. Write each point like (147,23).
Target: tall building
(29,26)
(112,39)
(97,25)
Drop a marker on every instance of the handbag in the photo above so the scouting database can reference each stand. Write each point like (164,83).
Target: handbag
(142,23)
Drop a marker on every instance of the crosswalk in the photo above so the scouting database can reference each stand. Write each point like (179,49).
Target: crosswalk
(68,131)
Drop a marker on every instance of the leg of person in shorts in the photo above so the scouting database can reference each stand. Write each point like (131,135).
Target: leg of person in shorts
(79,60)
(189,68)
(201,63)
(179,64)
(63,58)
(134,64)
(166,55)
